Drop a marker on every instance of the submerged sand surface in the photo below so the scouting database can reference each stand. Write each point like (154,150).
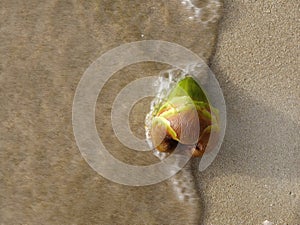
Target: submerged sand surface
(45,48)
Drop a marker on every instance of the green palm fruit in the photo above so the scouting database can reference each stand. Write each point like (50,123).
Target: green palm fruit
(186,117)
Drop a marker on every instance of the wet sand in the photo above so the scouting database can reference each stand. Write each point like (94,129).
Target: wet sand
(46,47)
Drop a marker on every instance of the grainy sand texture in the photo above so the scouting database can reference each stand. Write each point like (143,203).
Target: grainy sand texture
(256,177)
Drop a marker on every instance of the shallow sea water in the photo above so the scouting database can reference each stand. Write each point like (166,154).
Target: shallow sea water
(46,47)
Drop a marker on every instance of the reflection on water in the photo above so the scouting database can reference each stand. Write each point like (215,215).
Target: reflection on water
(51,43)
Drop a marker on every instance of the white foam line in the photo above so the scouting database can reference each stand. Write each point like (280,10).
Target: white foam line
(197,11)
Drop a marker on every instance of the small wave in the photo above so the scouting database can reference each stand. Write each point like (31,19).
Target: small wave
(210,13)
(184,185)
(183,182)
